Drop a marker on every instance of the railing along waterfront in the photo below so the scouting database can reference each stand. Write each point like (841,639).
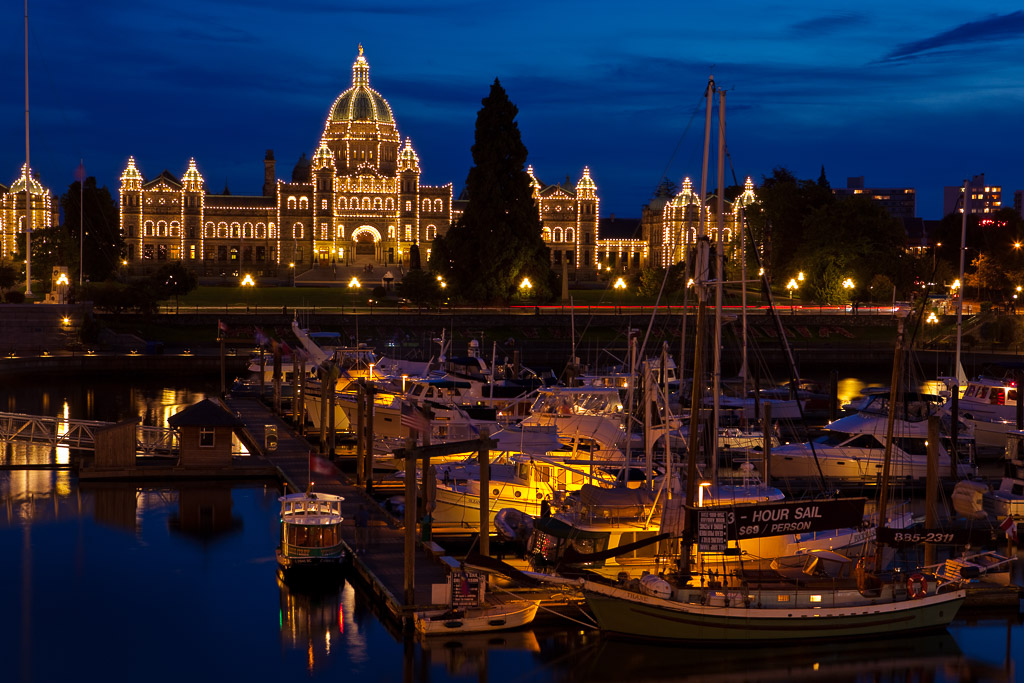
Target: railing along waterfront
(42,430)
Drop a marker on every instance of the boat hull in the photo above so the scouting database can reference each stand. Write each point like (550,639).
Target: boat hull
(641,616)
(476,620)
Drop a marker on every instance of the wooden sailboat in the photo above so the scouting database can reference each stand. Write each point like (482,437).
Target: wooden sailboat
(810,596)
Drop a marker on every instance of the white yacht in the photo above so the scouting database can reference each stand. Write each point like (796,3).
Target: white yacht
(852,449)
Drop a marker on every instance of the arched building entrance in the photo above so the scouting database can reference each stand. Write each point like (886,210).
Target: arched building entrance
(365,245)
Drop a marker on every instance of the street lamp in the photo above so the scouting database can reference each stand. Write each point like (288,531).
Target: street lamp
(792,286)
(525,287)
(620,286)
(247,284)
(292,266)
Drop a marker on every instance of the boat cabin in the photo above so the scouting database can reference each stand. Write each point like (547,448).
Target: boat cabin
(311,525)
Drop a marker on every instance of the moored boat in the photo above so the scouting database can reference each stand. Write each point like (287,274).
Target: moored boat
(483,618)
(311,545)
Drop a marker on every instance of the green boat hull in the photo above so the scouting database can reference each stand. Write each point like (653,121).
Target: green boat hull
(645,617)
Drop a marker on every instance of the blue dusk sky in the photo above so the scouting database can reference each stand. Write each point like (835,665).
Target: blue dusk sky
(919,94)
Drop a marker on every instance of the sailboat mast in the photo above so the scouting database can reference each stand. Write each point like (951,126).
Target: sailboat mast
(710,94)
(894,392)
(741,228)
(28,178)
(719,278)
(960,291)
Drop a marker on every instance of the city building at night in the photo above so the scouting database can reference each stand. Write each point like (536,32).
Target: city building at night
(900,202)
(983,198)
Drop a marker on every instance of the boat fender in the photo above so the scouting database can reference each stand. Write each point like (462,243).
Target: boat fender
(917,586)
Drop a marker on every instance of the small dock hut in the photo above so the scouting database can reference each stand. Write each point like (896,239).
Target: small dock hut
(205,435)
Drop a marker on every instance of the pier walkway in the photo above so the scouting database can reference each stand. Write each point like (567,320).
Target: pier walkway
(43,430)
(382,564)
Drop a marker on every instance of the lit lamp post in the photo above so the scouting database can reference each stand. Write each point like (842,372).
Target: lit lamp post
(792,286)
(247,283)
(848,286)
(292,267)
(620,287)
(525,288)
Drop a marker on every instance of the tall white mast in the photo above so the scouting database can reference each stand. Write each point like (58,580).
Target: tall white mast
(28,178)
(719,277)
(960,298)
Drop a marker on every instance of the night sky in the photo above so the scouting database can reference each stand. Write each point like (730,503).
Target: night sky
(920,94)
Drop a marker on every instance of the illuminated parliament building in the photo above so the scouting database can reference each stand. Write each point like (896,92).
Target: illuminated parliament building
(358,201)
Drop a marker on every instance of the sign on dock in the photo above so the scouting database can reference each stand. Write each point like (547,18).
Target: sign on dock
(716,526)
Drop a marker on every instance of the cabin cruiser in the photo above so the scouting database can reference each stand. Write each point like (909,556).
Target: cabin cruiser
(852,448)
(989,405)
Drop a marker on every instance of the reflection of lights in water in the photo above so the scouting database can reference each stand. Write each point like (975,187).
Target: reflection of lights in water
(63,454)
(327,640)
(355,639)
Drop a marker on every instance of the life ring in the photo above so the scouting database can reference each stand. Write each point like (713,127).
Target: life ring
(917,586)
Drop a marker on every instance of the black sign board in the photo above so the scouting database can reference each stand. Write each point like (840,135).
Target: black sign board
(465,588)
(916,536)
(715,526)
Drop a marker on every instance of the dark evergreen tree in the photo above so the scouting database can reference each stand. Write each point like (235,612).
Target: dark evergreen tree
(103,245)
(497,242)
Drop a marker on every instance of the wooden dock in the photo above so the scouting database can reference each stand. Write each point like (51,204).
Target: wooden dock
(381,566)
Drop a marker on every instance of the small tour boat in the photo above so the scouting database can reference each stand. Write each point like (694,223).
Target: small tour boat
(496,617)
(311,543)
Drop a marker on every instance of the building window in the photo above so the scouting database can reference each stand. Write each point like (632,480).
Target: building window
(408,206)
(389,204)
(292,203)
(303,203)
(426,205)
(570,235)
(431,232)
(323,204)
(438,205)
(206,437)
(408,233)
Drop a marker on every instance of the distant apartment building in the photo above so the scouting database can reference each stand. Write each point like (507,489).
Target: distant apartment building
(982,198)
(900,202)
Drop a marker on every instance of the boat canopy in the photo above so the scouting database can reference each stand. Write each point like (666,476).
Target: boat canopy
(559,529)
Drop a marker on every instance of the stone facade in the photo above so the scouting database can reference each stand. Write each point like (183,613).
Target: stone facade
(45,210)
(357,201)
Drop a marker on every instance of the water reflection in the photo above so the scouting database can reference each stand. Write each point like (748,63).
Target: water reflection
(929,657)
(312,619)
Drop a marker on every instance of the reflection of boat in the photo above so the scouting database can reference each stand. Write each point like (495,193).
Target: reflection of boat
(310,535)
(922,657)
(311,617)
(494,617)
(468,654)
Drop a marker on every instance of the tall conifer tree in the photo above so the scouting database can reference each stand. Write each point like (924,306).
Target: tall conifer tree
(497,241)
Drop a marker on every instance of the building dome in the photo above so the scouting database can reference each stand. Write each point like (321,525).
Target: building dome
(361,102)
(303,171)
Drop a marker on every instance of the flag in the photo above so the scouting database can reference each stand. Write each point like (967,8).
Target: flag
(321,465)
(413,418)
(286,350)
(222,327)
(1009,527)
(80,172)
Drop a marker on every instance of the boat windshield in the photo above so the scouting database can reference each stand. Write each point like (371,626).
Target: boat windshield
(831,438)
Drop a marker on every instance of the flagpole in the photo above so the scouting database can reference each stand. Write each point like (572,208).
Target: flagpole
(28,179)
(81,222)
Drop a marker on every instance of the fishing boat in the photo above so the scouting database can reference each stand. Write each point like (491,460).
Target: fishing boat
(311,545)
(479,619)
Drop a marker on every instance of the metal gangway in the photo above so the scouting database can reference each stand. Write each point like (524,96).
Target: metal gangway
(43,430)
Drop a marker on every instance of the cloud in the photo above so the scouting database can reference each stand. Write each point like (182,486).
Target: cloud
(994,27)
(828,24)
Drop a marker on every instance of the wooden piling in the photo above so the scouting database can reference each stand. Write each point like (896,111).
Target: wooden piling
(485,490)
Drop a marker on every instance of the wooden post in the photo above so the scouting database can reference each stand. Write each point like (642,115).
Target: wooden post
(302,399)
(358,429)
(410,522)
(297,373)
(768,432)
(931,486)
(332,381)
(428,414)
(223,362)
(833,395)
(325,380)
(485,498)
(263,372)
(370,391)
(277,378)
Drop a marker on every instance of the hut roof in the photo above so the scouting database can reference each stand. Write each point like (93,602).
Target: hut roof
(206,413)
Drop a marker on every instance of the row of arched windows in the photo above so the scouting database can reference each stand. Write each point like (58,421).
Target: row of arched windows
(437,205)
(558,235)
(301,203)
(239,231)
(161,229)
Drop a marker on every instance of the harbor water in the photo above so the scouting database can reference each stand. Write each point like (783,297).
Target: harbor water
(178,582)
